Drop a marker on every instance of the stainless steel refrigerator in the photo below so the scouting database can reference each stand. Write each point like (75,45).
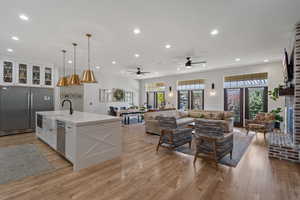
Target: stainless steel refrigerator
(18,106)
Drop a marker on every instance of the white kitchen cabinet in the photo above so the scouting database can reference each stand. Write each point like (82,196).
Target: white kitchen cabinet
(25,74)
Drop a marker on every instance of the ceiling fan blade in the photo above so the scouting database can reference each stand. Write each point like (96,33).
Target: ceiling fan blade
(199,62)
(145,72)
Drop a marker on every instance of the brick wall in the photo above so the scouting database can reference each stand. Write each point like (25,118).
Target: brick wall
(297,87)
(284,153)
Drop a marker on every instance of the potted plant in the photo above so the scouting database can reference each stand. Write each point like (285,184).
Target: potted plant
(278,117)
(274,94)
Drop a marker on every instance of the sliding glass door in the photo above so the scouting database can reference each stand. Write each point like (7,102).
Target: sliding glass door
(183,99)
(155,99)
(151,99)
(245,103)
(256,101)
(197,99)
(191,99)
(233,101)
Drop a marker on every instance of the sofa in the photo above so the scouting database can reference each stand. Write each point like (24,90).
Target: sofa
(183,118)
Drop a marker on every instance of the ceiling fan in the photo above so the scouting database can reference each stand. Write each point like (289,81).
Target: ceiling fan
(139,72)
(190,63)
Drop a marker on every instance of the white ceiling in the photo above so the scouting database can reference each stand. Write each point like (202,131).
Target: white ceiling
(251,30)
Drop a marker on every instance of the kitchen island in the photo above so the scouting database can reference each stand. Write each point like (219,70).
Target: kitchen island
(85,139)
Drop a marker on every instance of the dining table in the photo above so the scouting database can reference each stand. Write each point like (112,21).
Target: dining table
(131,112)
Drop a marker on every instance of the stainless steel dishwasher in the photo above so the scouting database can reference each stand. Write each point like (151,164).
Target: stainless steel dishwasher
(61,137)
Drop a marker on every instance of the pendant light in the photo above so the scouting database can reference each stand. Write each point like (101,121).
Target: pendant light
(63,81)
(74,80)
(88,75)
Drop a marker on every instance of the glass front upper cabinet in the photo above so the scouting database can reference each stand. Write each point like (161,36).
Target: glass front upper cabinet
(48,76)
(7,72)
(22,73)
(36,75)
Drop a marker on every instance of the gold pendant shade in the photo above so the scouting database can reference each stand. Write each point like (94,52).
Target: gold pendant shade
(74,79)
(63,81)
(88,75)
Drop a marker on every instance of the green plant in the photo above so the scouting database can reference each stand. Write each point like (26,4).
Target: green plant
(276,112)
(274,94)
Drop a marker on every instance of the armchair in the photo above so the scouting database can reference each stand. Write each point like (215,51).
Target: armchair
(172,135)
(214,139)
(263,123)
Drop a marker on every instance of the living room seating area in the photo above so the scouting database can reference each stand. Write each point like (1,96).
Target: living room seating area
(183,118)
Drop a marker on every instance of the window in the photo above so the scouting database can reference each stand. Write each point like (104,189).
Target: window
(246,95)
(155,94)
(191,94)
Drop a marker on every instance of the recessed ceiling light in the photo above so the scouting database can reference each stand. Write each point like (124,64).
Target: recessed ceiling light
(203,65)
(10,50)
(70,61)
(214,32)
(23,17)
(15,38)
(113,62)
(97,67)
(237,59)
(188,67)
(266,60)
(136,31)
(136,55)
(168,46)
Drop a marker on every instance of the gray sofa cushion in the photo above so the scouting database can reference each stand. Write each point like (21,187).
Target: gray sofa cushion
(184,121)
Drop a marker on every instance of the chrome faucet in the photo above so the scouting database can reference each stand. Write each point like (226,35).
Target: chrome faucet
(71,108)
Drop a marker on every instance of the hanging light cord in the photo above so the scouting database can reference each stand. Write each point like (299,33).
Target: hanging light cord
(64,60)
(89,36)
(74,44)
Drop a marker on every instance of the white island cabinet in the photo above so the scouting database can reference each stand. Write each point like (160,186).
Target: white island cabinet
(85,139)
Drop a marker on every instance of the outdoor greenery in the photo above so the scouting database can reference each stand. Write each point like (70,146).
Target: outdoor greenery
(256,103)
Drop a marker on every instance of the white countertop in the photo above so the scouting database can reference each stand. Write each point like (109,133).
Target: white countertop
(79,118)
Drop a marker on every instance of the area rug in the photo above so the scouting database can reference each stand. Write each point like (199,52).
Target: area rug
(241,142)
(17,162)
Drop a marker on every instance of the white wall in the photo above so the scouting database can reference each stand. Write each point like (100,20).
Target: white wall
(275,77)
(108,81)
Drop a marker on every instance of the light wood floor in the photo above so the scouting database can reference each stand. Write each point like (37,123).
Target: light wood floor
(141,174)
